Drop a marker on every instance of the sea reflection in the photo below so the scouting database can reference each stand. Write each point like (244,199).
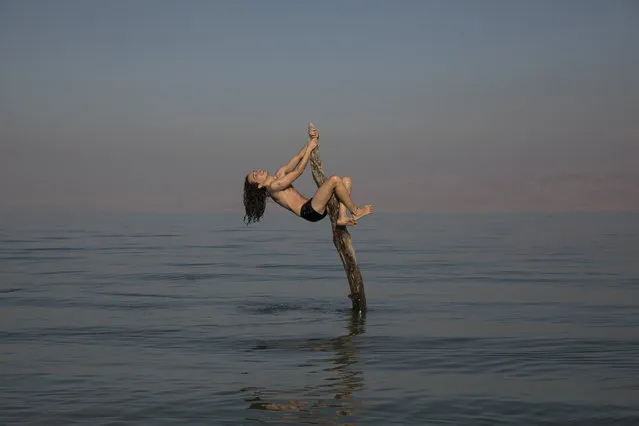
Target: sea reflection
(342,379)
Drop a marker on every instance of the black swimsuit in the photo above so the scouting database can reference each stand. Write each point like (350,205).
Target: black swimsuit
(307,212)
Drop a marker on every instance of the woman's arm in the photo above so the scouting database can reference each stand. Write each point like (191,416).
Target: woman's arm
(313,134)
(286,180)
(290,166)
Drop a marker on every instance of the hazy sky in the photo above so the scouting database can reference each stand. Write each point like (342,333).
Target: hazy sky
(151,105)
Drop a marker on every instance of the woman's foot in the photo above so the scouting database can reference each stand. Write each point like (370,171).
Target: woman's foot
(346,221)
(361,212)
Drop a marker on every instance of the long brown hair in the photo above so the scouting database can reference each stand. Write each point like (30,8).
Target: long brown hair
(254,202)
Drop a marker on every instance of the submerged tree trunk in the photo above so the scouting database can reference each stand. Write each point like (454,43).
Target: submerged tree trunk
(342,240)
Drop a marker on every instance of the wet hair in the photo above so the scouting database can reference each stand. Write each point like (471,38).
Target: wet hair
(254,202)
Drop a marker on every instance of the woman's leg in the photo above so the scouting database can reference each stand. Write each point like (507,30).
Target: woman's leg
(335,185)
(343,219)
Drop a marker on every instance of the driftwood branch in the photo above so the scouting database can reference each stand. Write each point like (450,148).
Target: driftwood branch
(341,239)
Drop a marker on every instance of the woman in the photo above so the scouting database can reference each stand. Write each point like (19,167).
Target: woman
(259,184)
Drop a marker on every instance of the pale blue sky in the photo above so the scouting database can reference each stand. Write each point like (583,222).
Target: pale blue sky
(150,105)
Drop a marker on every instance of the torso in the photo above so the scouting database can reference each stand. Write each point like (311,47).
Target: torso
(289,198)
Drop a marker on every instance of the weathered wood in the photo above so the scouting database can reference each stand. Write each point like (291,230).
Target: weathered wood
(341,239)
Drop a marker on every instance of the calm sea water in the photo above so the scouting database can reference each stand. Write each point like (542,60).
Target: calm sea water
(197,319)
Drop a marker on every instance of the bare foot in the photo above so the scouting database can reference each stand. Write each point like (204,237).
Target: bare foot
(346,221)
(364,211)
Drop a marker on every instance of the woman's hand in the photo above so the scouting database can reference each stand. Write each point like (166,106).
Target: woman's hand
(313,133)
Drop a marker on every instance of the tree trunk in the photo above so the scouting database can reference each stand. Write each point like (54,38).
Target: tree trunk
(342,240)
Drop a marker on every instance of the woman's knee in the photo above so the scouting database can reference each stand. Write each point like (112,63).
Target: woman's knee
(334,179)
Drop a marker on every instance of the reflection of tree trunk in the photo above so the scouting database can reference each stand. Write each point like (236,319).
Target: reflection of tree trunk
(341,240)
(347,357)
(348,380)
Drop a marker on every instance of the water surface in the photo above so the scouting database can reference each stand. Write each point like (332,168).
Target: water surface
(480,319)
